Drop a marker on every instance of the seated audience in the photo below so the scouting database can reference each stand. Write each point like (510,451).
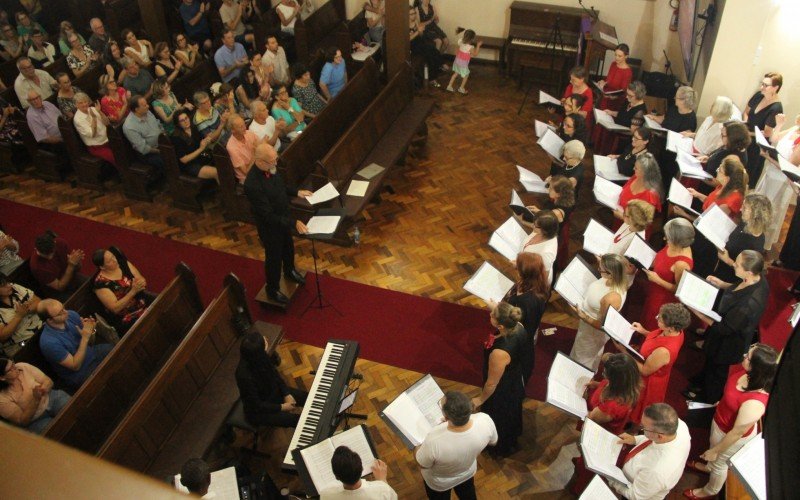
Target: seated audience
(165,104)
(99,38)
(241,147)
(137,80)
(265,127)
(225,100)
(655,464)
(334,74)
(249,90)
(619,77)
(114,102)
(195,23)
(19,320)
(26,27)
(287,109)
(142,129)
(27,397)
(91,125)
(305,91)
(81,57)
(208,121)
(288,11)
(115,62)
(65,343)
(743,403)
(429,23)
(374,13)
(448,454)
(263,70)
(188,53)
(195,473)
(55,267)
(41,53)
(192,151)
(9,254)
(12,44)
(230,58)
(120,287)
(167,67)
(31,78)
(65,98)
(42,117)
(347,468)
(9,131)
(66,29)
(423,47)
(266,398)
(277,57)
(233,14)
(140,51)
(543,240)
(610,290)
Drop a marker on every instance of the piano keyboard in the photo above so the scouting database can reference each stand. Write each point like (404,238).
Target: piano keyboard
(321,393)
(542,45)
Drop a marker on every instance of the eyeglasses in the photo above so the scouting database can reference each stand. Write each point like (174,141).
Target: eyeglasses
(766,84)
(651,431)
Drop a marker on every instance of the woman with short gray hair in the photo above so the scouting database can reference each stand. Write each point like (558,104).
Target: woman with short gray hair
(708,137)
(571,164)
(668,267)
(91,124)
(681,117)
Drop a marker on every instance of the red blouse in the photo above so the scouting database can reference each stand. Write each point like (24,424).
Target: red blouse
(732,200)
(656,384)
(587,94)
(617,410)
(733,399)
(618,79)
(112,108)
(647,195)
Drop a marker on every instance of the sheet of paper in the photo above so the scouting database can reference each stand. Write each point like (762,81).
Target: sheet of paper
(607,168)
(405,415)
(676,142)
(357,188)
(788,168)
(679,195)
(223,484)
(427,395)
(532,182)
(641,252)
(607,121)
(620,329)
(607,193)
(652,124)
(749,463)
(794,318)
(691,166)
(317,459)
(574,280)
(569,373)
(551,143)
(519,208)
(695,405)
(760,139)
(323,224)
(370,171)
(545,98)
(715,225)
(508,239)
(323,194)
(488,284)
(597,490)
(542,127)
(597,239)
(355,439)
(608,38)
(698,294)
(362,55)
(563,398)
(600,450)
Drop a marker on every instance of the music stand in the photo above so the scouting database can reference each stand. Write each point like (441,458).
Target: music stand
(321,302)
(555,43)
(344,413)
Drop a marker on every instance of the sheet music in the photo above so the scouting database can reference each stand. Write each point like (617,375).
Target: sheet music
(652,124)
(794,318)
(676,142)
(619,329)
(641,251)
(362,55)
(356,440)
(607,92)
(545,98)
(416,411)
(532,182)
(574,280)
(679,195)
(488,284)
(715,225)
(698,294)
(607,121)
(608,38)
(569,373)
(508,239)
(551,143)
(357,188)
(323,224)
(427,394)
(519,208)
(749,463)
(597,239)
(696,405)
(563,398)
(691,166)
(323,194)
(760,139)
(317,459)
(223,485)
(542,127)
(607,168)
(600,450)
(607,193)
(370,171)
(787,167)
(597,490)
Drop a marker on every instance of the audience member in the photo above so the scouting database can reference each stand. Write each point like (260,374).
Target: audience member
(115,62)
(191,149)
(91,123)
(374,13)
(208,121)
(81,57)
(448,454)
(186,52)
(19,320)
(347,468)
(241,147)
(142,129)
(65,30)
(27,397)
(9,254)
(230,58)
(114,102)
(12,44)
(263,71)
(31,78)
(165,104)
(26,27)
(195,24)
(334,74)
(55,267)
(140,51)
(41,53)
(137,80)
(429,23)
(287,109)
(99,38)
(249,89)
(225,100)
(65,98)
(9,131)
(167,67)
(424,48)
(233,14)
(65,343)
(120,287)
(277,57)
(305,91)
(288,11)
(42,117)
(265,127)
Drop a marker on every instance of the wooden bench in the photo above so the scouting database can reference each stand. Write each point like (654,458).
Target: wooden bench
(179,414)
(136,176)
(184,189)
(319,30)
(381,135)
(89,82)
(102,401)
(48,165)
(198,78)
(89,168)
(121,14)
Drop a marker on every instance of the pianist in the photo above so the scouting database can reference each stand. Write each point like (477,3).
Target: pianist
(266,398)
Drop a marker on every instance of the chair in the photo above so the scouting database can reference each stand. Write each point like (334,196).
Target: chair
(237,420)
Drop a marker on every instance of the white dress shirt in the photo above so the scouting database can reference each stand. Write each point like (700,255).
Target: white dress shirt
(83,123)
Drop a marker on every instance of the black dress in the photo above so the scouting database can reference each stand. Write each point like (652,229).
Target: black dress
(627,159)
(626,115)
(790,253)
(532,310)
(762,119)
(575,172)
(262,391)
(738,242)
(677,122)
(504,406)
(187,145)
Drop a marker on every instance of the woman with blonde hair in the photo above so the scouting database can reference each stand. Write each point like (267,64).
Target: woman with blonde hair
(748,235)
(708,136)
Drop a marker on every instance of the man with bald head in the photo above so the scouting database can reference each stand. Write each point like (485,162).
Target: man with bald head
(269,198)
(265,127)
(241,147)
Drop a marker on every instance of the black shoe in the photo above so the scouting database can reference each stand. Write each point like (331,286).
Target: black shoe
(295,276)
(278,296)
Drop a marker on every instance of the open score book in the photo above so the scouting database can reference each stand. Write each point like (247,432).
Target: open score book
(566,384)
(415,411)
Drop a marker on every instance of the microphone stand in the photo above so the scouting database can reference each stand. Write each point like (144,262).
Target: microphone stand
(590,11)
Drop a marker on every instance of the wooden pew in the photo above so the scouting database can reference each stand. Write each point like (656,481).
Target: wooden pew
(103,400)
(89,82)
(184,189)
(319,30)
(235,205)
(198,78)
(88,167)
(382,135)
(49,166)
(178,415)
(136,176)
(121,14)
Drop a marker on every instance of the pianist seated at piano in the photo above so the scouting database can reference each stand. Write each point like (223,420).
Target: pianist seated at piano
(266,398)
(618,78)
(578,85)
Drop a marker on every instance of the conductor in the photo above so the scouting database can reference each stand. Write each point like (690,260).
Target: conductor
(269,199)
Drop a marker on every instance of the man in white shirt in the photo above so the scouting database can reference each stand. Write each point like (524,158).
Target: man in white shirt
(31,78)
(448,454)
(277,56)
(655,464)
(347,468)
(265,127)
(233,14)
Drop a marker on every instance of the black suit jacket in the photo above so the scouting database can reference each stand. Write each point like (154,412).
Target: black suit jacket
(269,200)
(262,391)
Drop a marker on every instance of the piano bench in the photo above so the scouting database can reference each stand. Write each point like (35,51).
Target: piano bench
(237,420)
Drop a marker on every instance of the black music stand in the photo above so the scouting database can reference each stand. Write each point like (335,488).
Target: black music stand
(555,44)
(321,302)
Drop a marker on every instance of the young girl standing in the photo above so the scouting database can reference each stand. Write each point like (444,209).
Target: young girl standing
(461,64)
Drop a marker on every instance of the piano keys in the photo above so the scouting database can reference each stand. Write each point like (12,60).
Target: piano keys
(320,411)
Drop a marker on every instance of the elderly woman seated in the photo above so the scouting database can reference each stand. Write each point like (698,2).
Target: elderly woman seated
(27,398)
(18,319)
(91,123)
(120,287)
